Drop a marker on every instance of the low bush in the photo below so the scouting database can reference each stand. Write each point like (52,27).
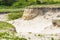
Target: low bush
(12,16)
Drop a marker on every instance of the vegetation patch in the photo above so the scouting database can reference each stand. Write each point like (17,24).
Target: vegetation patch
(23,3)
(10,36)
(12,16)
(5,25)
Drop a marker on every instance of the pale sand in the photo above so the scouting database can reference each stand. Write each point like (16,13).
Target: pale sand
(36,25)
(3,17)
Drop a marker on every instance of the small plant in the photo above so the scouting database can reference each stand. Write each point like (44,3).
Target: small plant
(52,38)
(40,35)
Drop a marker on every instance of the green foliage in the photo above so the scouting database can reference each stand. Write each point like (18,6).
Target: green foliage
(12,16)
(10,36)
(19,2)
(5,25)
(24,3)
(7,2)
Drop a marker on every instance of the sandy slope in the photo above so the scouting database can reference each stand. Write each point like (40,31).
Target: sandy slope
(38,25)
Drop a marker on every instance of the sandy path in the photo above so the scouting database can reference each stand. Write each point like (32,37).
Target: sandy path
(3,17)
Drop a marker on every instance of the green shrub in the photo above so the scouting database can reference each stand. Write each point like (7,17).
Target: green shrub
(49,1)
(12,16)
(5,25)
(24,3)
(20,3)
